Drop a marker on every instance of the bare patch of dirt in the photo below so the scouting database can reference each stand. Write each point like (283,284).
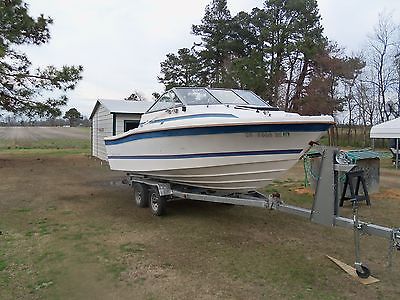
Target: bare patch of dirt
(388,194)
(390,181)
(303,190)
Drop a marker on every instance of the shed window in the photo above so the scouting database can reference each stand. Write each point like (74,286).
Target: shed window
(130,124)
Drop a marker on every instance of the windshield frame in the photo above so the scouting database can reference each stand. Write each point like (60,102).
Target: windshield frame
(216,90)
(181,103)
(254,94)
(217,101)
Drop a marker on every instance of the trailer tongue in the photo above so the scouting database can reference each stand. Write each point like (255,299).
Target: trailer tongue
(324,211)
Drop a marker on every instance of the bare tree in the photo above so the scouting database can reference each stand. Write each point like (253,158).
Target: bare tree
(397,62)
(382,51)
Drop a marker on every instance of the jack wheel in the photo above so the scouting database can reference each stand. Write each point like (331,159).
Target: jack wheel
(158,204)
(365,273)
(141,195)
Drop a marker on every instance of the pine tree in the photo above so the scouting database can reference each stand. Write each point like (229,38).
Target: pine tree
(21,87)
(214,30)
(278,51)
(73,115)
(182,69)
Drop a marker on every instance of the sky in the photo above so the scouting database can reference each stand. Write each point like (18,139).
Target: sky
(121,43)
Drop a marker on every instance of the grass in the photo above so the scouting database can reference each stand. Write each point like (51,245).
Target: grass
(24,210)
(291,189)
(45,144)
(41,258)
(60,152)
(387,163)
(115,269)
(55,148)
(132,247)
(78,237)
(3,265)
(51,256)
(42,284)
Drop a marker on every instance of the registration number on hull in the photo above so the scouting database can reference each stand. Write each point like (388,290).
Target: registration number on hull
(267,134)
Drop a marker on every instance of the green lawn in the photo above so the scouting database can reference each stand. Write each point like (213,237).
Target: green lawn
(59,145)
(70,230)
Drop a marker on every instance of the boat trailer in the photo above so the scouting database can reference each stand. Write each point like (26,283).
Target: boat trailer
(156,193)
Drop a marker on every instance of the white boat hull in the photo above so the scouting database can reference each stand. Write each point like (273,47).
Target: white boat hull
(238,161)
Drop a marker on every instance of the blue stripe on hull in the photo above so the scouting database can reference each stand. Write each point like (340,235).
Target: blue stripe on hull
(315,127)
(199,116)
(202,155)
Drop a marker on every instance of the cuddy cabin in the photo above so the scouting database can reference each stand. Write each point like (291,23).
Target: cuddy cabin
(203,105)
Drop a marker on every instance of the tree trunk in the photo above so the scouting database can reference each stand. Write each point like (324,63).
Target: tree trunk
(355,141)
(289,84)
(299,86)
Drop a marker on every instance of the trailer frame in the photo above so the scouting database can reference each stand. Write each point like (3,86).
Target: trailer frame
(324,211)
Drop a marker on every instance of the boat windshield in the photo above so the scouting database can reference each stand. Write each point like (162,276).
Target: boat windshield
(196,96)
(167,100)
(182,96)
(227,96)
(251,98)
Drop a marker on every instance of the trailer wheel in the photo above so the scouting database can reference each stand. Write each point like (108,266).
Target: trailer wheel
(365,273)
(140,194)
(157,203)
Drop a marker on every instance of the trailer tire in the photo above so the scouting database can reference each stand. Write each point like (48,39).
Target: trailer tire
(365,273)
(157,203)
(141,195)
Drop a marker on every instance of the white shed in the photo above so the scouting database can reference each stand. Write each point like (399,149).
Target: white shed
(111,117)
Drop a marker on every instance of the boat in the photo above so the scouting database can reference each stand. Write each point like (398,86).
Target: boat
(218,139)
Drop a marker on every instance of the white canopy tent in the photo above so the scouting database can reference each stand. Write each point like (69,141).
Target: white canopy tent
(388,130)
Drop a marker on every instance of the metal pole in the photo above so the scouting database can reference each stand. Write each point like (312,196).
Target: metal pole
(356,229)
(397,59)
(397,153)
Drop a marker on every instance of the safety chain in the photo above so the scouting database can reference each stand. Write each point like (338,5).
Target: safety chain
(310,174)
(394,243)
(308,171)
(273,201)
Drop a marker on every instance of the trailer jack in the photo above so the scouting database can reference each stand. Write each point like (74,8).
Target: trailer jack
(361,270)
(326,207)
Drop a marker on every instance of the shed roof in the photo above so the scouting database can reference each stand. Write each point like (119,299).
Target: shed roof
(389,129)
(122,106)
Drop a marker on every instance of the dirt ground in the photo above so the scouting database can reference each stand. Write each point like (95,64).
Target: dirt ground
(70,230)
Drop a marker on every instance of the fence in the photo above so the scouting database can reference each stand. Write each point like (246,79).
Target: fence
(352,136)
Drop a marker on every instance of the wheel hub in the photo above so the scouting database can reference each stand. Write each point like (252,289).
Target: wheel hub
(154,203)
(138,196)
